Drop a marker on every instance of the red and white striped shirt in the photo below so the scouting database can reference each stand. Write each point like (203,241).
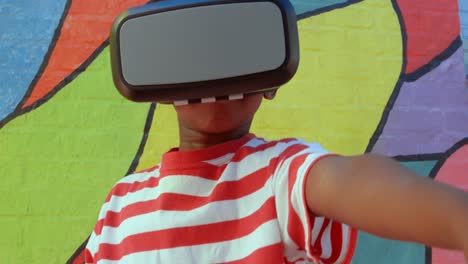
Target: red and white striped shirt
(242,201)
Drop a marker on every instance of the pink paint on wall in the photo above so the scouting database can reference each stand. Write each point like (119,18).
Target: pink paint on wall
(453,172)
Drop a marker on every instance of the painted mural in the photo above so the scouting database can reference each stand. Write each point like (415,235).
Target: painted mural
(376,76)
(463,5)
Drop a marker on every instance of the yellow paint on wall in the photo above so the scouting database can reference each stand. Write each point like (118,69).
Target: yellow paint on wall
(59,161)
(351,59)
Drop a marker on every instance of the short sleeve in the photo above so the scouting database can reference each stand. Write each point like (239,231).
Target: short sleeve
(307,237)
(92,246)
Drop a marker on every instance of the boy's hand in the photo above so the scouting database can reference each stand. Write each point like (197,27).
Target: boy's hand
(379,196)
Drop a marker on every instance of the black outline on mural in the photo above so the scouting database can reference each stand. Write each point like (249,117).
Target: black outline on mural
(133,166)
(393,97)
(416,158)
(433,174)
(50,50)
(141,148)
(68,79)
(401,79)
(20,111)
(58,30)
(446,155)
(81,68)
(428,255)
(325,9)
(419,157)
(78,251)
(436,61)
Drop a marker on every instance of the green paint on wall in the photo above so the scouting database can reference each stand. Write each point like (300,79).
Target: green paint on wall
(372,249)
(58,163)
(420,167)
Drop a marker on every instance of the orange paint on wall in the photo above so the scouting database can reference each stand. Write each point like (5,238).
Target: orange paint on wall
(85,28)
(428,35)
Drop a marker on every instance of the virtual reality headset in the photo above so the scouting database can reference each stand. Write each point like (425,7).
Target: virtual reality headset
(179,50)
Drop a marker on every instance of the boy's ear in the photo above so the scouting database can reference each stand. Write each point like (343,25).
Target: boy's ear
(270,95)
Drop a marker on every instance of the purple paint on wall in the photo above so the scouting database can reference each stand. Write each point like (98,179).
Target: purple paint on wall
(430,114)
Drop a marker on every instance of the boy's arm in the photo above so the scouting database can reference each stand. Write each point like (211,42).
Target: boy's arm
(379,196)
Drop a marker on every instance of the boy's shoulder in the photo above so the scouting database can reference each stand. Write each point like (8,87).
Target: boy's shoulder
(284,144)
(276,150)
(134,182)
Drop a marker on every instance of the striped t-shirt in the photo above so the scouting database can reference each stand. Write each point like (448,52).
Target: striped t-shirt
(242,201)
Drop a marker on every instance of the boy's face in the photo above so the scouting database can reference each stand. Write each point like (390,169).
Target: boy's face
(219,117)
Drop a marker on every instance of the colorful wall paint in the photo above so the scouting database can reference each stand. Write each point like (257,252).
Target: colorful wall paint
(463,5)
(375,76)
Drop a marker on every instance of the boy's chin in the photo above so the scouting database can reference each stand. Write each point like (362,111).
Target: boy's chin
(221,128)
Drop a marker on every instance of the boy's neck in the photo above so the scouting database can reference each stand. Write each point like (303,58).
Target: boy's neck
(190,139)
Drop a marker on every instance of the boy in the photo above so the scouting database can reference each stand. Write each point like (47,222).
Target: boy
(226,196)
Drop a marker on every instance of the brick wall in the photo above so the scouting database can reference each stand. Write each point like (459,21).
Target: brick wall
(66,135)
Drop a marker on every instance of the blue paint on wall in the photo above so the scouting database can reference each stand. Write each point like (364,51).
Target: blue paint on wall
(303,6)
(372,249)
(26,31)
(463,6)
